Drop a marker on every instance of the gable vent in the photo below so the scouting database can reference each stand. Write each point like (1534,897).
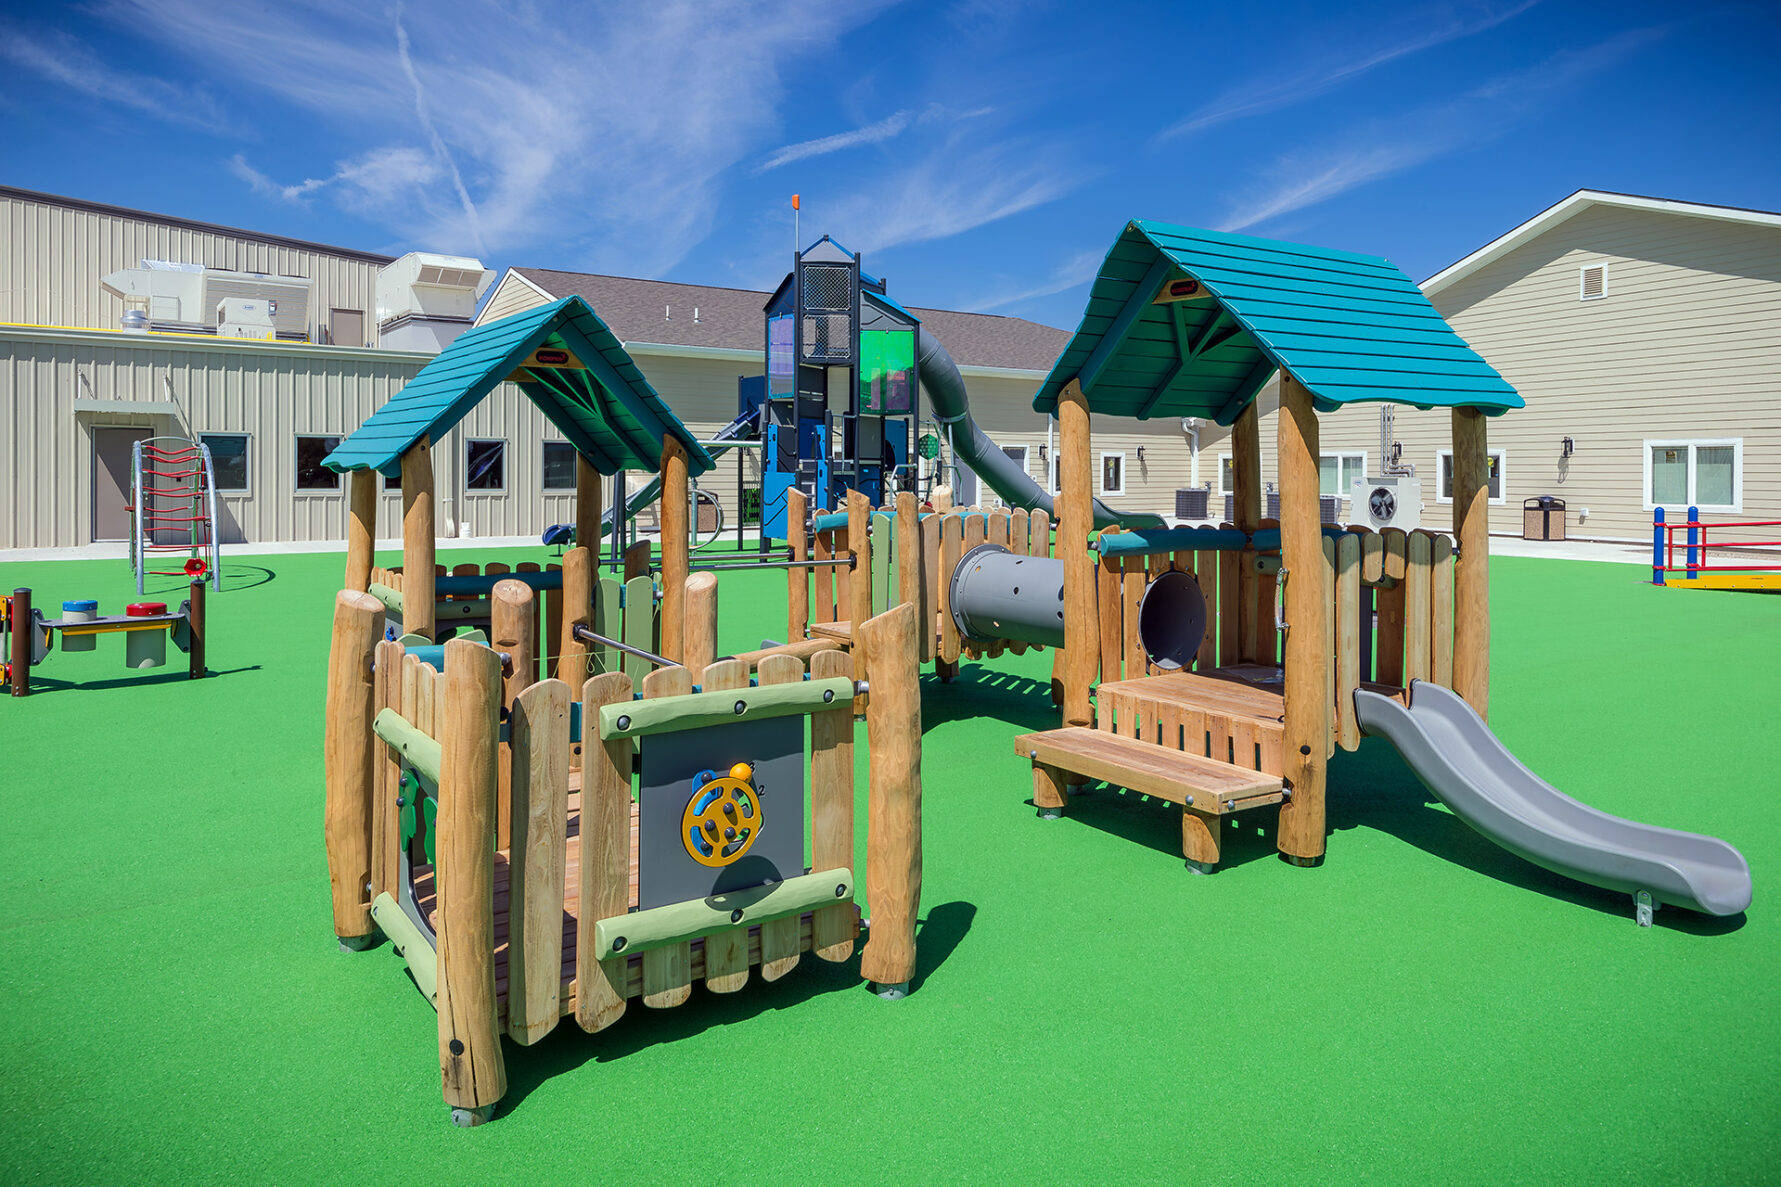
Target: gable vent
(1592,282)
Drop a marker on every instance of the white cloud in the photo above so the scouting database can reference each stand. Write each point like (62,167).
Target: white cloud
(1271,91)
(1078,269)
(884,129)
(60,58)
(601,135)
(1384,147)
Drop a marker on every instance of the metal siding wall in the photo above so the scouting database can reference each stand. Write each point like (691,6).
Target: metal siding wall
(53,258)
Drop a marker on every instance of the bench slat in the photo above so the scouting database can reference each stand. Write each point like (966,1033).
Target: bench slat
(1150,769)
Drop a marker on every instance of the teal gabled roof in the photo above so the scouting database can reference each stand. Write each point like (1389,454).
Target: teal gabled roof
(1351,328)
(606,408)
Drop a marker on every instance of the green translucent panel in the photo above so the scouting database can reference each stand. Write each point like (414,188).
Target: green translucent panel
(887,371)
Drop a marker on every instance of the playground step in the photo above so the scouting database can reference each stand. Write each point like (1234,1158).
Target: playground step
(1206,785)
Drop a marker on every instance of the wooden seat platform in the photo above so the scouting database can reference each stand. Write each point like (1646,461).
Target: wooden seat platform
(426,900)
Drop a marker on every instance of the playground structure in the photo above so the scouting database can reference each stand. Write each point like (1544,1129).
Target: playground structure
(1696,572)
(173,510)
(480,810)
(26,637)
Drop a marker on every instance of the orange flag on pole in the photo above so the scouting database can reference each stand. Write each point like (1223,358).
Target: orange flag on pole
(795,205)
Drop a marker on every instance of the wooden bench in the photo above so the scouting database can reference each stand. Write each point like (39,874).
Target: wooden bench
(1207,789)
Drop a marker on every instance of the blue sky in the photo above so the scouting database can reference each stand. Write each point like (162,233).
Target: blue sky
(982,154)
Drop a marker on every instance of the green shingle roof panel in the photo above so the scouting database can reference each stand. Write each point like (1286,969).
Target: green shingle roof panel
(1351,328)
(608,411)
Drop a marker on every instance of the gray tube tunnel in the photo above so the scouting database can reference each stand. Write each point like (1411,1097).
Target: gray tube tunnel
(998,594)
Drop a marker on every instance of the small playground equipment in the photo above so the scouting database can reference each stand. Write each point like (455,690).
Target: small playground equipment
(480,810)
(173,510)
(1696,572)
(1315,625)
(28,637)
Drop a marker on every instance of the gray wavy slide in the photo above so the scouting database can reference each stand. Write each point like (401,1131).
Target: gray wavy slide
(1462,763)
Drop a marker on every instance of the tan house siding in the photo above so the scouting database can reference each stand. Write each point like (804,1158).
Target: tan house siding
(53,254)
(513,295)
(1685,344)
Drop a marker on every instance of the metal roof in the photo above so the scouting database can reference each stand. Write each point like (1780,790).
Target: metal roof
(604,405)
(1186,322)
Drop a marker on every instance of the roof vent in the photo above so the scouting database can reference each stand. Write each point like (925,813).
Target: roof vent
(1592,282)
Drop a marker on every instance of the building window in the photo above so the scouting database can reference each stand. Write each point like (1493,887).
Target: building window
(1337,472)
(392,484)
(485,465)
(1444,471)
(1113,473)
(559,465)
(1016,454)
(346,327)
(1592,282)
(228,459)
(1703,473)
(1227,475)
(311,474)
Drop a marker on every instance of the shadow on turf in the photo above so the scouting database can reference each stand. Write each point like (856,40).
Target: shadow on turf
(1156,823)
(43,684)
(235,577)
(938,934)
(980,691)
(1372,788)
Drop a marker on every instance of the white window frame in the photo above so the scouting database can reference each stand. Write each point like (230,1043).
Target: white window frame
(1026,453)
(544,470)
(1101,473)
(1339,455)
(1502,458)
(316,492)
(247,454)
(1220,487)
(484,491)
(1582,271)
(1691,444)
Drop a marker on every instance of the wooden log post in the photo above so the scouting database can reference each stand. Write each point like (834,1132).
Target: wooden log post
(578,611)
(1075,519)
(1246,474)
(587,505)
(361,528)
(1471,578)
(418,541)
(605,875)
(797,589)
(349,760)
(893,812)
(512,619)
(833,929)
(701,621)
(674,548)
(386,787)
(909,557)
(1301,834)
(859,590)
(196,631)
(470,1064)
(538,723)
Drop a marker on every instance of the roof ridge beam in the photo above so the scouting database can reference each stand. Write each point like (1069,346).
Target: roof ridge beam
(1127,317)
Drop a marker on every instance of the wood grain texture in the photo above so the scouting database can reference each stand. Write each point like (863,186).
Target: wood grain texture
(822,604)
(1348,638)
(418,540)
(952,548)
(587,505)
(1110,616)
(909,554)
(1206,575)
(675,541)
(361,528)
(637,559)
(1038,533)
(1076,508)
(859,513)
(538,724)
(893,824)
(928,607)
(605,867)
(1132,585)
(573,666)
(1149,769)
(1302,818)
(831,821)
(512,619)
(1246,480)
(470,1063)
(1419,578)
(1471,579)
(667,971)
(797,512)
(386,817)
(1441,620)
(701,621)
(349,758)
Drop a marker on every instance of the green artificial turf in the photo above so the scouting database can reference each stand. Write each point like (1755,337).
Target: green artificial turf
(1422,1008)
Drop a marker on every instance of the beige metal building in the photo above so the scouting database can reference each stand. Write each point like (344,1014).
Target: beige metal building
(1645,335)
(56,251)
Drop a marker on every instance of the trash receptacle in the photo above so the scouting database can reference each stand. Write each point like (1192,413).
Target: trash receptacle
(1191,503)
(1543,518)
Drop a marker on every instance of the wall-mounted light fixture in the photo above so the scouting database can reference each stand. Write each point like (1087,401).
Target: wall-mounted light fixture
(1570,447)
(1140,455)
(1041,453)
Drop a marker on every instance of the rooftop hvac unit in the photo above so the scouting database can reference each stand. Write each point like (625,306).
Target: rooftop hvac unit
(422,284)
(1392,501)
(188,296)
(239,317)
